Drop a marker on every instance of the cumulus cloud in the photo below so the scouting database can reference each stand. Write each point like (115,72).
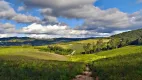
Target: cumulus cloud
(21,18)
(7,28)
(7,35)
(97,22)
(7,12)
(95,18)
(56,31)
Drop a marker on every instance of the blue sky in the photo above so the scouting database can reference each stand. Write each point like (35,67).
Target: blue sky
(128,6)
(93,17)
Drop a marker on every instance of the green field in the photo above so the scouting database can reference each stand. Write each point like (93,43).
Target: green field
(77,46)
(118,64)
(31,52)
(106,54)
(128,67)
(24,68)
(29,63)
(18,63)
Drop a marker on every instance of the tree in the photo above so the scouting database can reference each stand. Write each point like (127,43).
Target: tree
(87,48)
(114,43)
(94,47)
(99,44)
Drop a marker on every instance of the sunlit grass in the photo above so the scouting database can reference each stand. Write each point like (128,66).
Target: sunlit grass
(26,68)
(128,67)
(31,52)
(106,54)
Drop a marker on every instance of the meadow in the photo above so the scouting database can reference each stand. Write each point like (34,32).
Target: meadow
(18,63)
(107,54)
(118,64)
(77,46)
(128,67)
(23,68)
(31,52)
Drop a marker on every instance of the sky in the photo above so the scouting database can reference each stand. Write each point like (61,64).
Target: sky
(70,19)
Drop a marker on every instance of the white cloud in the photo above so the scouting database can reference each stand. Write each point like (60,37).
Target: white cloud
(21,8)
(7,12)
(7,35)
(97,22)
(95,18)
(56,31)
(7,28)
(22,18)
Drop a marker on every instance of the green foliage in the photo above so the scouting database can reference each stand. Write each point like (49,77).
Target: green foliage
(107,54)
(57,50)
(86,48)
(118,68)
(34,69)
(77,46)
(130,37)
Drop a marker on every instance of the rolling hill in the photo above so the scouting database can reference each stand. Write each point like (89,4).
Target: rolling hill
(18,41)
(133,37)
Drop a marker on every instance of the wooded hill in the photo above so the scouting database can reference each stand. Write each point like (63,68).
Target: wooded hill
(133,37)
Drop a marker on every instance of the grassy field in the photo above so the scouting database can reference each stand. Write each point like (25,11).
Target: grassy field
(28,63)
(107,54)
(118,64)
(24,68)
(77,46)
(31,52)
(128,67)
(18,63)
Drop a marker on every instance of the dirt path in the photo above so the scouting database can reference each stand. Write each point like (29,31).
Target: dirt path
(86,75)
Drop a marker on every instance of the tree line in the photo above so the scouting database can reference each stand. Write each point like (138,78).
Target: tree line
(113,43)
(57,50)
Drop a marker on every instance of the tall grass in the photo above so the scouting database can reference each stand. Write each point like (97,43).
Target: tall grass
(128,67)
(24,68)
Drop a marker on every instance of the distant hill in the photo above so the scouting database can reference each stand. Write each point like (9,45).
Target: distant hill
(18,41)
(133,37)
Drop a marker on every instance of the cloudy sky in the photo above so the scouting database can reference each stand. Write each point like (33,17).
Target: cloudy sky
(68,18)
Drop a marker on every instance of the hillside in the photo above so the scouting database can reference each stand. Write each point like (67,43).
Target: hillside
(30,52)
(107,54)
(133,37)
